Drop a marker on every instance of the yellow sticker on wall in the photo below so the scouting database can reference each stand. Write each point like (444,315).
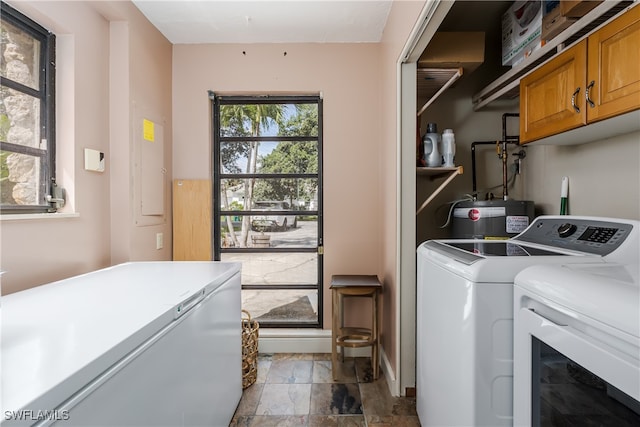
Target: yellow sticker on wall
(148,130)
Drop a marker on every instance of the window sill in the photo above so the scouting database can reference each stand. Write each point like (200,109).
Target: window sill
(21,217)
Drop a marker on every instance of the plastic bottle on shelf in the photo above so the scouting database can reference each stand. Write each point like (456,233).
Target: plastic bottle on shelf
(427,147)
(433,157)
(448,148)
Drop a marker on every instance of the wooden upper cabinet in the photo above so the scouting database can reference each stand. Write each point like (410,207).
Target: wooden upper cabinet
(614,67)
(552,97)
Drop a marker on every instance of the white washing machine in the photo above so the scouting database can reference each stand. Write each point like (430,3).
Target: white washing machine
(464,310)
(577,345)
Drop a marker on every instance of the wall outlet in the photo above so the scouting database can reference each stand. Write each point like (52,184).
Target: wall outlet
(159,240)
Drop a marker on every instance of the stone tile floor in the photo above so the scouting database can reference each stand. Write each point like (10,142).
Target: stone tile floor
(295,390)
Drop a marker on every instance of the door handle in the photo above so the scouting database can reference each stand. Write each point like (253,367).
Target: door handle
(586,94)
(187,304)
(547,318)
(573,100)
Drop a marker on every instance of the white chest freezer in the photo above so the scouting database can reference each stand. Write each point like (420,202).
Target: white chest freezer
(137,344)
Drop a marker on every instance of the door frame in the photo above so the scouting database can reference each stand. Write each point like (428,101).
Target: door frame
(217,176)
(430,18)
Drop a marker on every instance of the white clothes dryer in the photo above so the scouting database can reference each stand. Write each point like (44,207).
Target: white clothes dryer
(577,345)
(464,351)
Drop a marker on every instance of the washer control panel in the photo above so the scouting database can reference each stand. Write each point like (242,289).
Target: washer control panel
(598,234)
(590,235)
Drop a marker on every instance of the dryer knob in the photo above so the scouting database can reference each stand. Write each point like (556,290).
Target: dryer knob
(567,229)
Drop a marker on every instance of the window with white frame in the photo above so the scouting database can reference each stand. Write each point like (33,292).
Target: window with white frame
(27,114)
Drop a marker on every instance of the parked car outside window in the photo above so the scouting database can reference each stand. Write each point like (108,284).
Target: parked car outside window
(272,222)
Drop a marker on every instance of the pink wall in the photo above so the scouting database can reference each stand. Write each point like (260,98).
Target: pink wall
(38,251)
(142,59)
(348,76)
(400,23)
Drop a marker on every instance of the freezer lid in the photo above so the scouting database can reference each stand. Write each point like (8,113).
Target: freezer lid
(57,337)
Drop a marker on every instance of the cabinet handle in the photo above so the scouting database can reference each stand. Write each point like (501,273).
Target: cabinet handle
(586,94)
(573,100)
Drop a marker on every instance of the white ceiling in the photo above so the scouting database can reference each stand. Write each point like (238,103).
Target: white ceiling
(267,21)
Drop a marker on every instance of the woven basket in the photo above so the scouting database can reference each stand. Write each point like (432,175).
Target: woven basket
(249,349)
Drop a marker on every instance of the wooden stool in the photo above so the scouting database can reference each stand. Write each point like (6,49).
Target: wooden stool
(343,286)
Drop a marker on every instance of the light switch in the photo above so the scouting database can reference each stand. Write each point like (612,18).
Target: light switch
(93,160)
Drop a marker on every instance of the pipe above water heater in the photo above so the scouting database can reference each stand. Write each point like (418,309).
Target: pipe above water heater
(502,154)
(473,164)
(507,139)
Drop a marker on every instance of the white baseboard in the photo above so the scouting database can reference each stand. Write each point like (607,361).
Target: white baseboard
(302,341)
(389,374)
(294,341)
(319,341)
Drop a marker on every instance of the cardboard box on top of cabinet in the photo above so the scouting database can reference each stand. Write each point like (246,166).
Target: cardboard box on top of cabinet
(521,31)
(577,8)
(553,21)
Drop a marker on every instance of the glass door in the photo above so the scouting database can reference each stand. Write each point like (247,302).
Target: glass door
(268,203)
(565,393)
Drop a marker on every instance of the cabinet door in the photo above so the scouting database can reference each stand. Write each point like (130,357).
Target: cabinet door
(546,95)
(614,67)
(192,220)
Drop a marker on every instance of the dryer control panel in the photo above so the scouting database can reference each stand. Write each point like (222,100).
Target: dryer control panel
(582,234)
